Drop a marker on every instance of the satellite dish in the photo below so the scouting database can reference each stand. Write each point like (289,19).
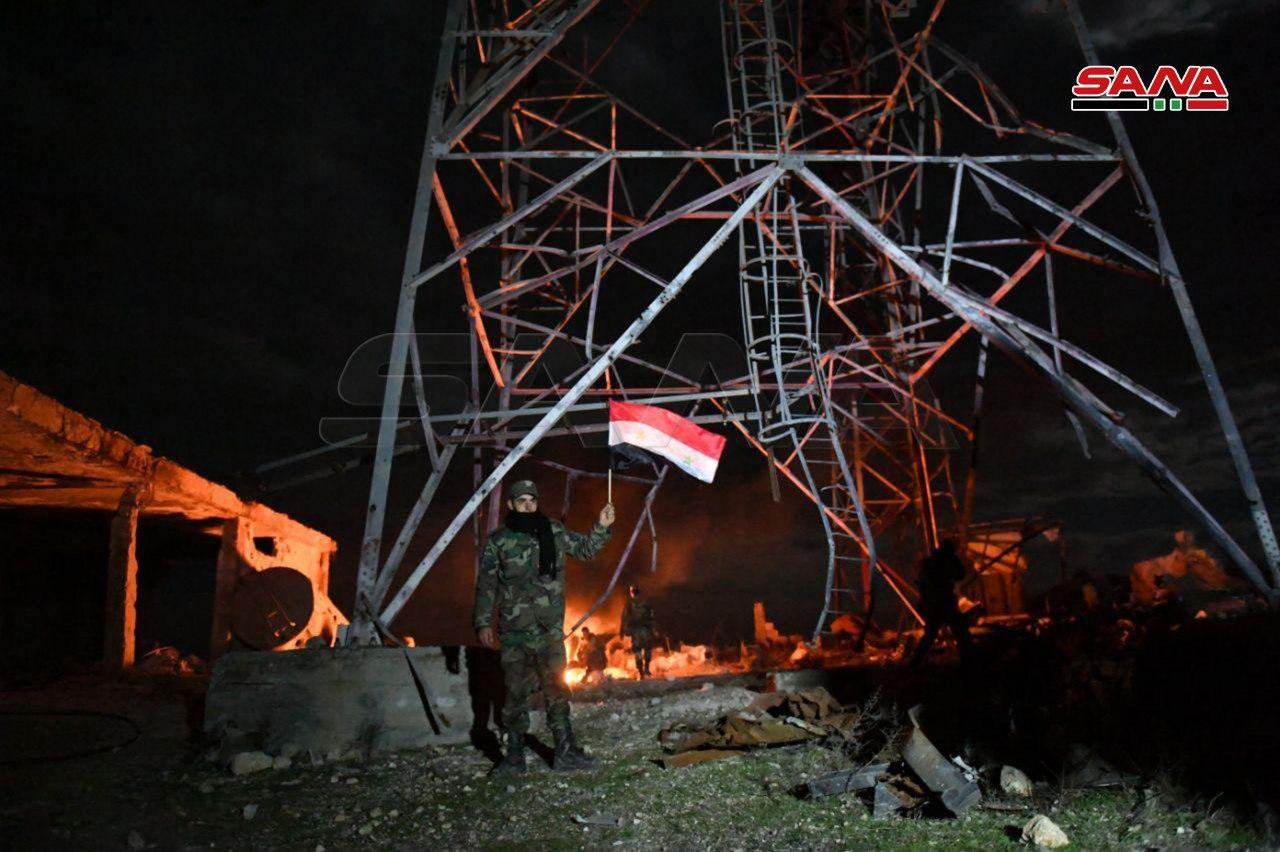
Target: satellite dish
(271,607)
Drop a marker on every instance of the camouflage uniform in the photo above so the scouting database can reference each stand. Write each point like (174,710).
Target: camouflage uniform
(595,657)
(531,618)
(637,622)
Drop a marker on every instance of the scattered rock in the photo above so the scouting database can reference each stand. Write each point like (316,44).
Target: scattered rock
(1014,782)
(655,701)
(290,750)
(136,841)
(1042,831)
(393,813)
(281,762)
(599,819)
(250,761)
(375,813)
(206,787)
(250,811)
(366,829)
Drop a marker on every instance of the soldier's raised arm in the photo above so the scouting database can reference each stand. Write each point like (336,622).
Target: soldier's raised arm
(587,547)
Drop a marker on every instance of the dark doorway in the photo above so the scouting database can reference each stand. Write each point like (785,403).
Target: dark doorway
(177,567)
(53,568)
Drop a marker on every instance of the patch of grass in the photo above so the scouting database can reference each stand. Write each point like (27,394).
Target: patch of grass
(443,799)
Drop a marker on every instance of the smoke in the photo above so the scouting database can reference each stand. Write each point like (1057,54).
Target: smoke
(720,548)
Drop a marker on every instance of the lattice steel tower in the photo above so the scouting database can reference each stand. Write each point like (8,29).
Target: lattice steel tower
(866,251)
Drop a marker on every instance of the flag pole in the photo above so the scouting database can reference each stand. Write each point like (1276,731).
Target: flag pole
(610,500)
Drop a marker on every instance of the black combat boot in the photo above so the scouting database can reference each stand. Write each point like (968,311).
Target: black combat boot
(570,756)
(512,762)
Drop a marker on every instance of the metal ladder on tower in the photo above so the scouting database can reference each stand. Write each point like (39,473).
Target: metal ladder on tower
(780,305)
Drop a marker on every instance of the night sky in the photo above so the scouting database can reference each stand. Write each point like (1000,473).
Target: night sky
(206,209)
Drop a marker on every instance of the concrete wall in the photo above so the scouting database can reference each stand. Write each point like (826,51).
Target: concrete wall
(330,699)
(240,555)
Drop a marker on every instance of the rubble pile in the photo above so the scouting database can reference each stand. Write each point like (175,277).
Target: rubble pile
(168,661)
(896,766)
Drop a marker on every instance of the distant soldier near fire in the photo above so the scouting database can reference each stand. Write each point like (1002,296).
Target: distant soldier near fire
(522,572)
(939,573)
(592,655)
(637,622)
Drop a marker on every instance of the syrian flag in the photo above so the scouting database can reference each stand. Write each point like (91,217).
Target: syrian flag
(685,444)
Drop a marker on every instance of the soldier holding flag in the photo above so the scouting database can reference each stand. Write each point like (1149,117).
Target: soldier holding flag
(522,573)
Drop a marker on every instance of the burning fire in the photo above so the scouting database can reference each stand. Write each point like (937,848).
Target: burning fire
(681,661)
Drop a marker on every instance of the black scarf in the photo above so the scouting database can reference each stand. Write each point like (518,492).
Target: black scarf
(537,525)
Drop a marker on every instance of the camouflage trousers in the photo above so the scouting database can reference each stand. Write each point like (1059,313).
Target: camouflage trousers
(532,661)
(642,649)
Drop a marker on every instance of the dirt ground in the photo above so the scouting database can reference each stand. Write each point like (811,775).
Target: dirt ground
(157,791)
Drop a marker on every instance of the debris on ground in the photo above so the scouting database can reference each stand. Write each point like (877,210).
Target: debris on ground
(772,719)
(813,715)
(890,798)
(844,781)
(1014,782)
(444,799)
(695,756)
(167,660)
(600,820)
(957,792)
(247,762)
(1044,832)
(1088,769)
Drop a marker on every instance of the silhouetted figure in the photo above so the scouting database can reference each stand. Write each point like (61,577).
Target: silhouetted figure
(637,622)
(592,655)
(939,573)
(484,685)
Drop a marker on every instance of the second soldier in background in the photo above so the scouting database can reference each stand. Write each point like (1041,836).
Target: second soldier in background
(637,622)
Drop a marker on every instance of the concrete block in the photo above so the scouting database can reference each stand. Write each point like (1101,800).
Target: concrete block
(794,680)
(337,699)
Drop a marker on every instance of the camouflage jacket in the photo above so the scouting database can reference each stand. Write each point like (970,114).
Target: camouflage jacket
(637,620)
(528,602)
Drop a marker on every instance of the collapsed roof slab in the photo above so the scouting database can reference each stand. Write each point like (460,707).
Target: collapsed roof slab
(54,457)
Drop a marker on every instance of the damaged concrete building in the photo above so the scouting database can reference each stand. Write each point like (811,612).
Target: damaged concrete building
(110,550)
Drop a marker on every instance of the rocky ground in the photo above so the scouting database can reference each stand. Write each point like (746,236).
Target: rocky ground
(158,792)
